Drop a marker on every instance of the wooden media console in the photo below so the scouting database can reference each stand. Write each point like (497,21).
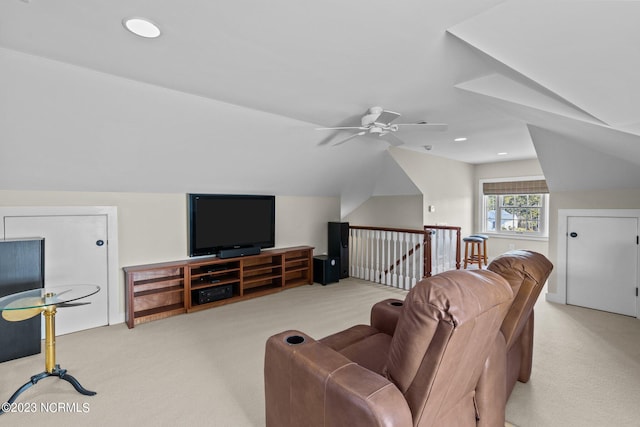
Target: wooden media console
(156,291)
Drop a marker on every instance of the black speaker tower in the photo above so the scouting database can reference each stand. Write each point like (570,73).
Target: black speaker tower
(339,245)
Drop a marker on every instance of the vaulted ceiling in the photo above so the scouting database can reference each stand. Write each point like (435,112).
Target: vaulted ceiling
(229,97)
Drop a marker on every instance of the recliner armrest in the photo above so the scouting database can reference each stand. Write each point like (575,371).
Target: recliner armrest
(385,315)
(308,383)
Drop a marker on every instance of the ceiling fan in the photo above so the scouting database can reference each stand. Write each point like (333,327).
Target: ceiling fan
(377,122)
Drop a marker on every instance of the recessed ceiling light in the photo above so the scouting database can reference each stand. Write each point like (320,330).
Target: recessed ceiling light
(502,153)
(460,139)
(142,27)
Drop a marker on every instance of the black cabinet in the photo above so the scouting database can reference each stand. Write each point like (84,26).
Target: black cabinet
(21,269)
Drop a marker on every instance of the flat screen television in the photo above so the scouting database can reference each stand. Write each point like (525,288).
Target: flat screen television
(223,221)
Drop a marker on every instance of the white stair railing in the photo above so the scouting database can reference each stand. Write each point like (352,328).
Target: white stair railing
(390,256)
(442,247)
(401,257)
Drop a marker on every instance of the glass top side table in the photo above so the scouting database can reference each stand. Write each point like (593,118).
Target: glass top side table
(27,304)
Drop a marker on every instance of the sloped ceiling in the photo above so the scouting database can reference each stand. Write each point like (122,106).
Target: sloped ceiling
(561,153)
(570,73)
(228,98)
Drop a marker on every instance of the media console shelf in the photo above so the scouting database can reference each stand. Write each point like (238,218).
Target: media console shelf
(156,291)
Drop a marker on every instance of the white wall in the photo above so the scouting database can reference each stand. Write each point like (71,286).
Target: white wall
(445,184)
(515,169)
(303,221)
(453,189)
(389,211)
(152,227)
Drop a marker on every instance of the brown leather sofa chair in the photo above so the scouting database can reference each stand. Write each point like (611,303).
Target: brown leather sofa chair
(512,357)
(418,364)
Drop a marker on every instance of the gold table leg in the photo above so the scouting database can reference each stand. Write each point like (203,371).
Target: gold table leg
(51,369)
(50,338)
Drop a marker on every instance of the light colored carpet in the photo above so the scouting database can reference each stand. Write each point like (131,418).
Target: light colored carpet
(586,370)
(205,368)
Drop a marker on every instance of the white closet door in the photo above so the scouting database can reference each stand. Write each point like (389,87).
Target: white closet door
(75,253)
(602,263)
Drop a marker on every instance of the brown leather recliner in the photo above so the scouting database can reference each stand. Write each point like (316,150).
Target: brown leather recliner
(512,357)
(419,368)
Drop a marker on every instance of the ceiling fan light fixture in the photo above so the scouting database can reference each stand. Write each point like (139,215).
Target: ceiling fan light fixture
(377,121)
(142,27)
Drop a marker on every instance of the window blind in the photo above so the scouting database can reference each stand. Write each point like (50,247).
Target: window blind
(515,187)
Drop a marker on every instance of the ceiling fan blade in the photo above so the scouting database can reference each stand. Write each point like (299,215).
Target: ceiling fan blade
(329,138)
(427,126)
(351,137)
(342,127)
(336,131)
(386,117)
(392,139)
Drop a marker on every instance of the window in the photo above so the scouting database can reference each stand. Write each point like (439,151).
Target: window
(515,207)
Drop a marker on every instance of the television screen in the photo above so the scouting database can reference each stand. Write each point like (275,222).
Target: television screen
(218,221)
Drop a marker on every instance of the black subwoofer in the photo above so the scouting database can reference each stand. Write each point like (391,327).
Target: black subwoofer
(326,269)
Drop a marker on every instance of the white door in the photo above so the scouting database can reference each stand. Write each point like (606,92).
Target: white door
(75,253)
(602,263)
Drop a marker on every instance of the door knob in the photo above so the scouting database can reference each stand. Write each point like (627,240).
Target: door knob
(573,234)
(99,242)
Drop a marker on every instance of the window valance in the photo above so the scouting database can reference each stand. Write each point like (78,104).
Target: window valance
(515,187)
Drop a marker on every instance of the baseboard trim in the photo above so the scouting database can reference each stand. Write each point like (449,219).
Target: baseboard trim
(553,297)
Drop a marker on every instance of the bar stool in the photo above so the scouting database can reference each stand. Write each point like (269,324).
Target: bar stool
(484,237)
(476,256)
